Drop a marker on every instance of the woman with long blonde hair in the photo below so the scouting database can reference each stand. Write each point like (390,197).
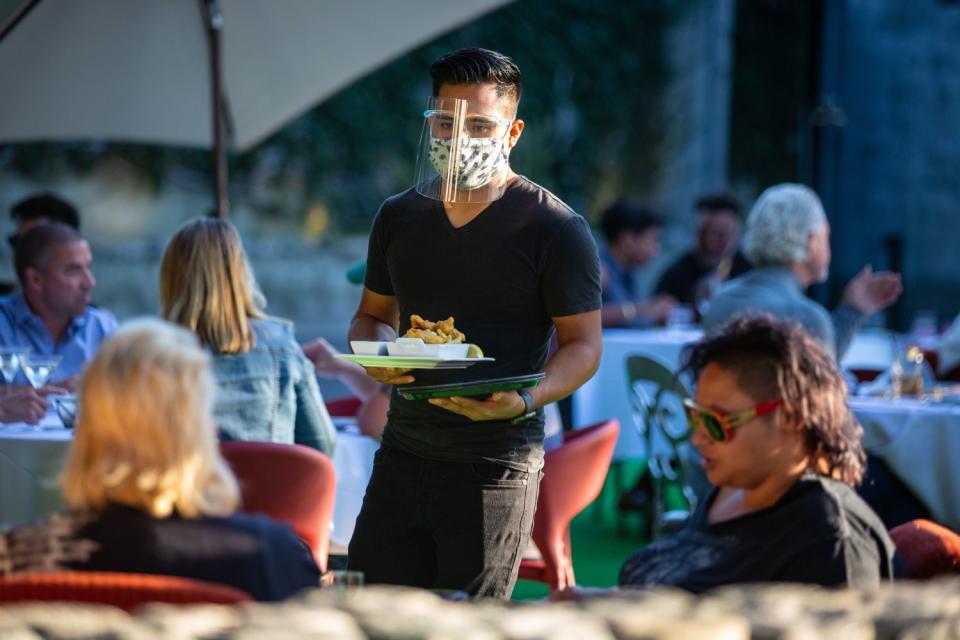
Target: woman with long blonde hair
(266,387)
(145,482)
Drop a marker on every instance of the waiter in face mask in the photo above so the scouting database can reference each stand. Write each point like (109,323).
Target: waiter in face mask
(451,501)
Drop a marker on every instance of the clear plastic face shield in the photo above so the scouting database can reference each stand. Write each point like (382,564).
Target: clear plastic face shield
(464,153)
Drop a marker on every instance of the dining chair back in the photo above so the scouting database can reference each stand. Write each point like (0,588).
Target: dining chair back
(290,483)
(345,407)
(124,590)
(656,402)
(926,549)
(573,475)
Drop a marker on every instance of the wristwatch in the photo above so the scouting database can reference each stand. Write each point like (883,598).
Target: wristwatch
(529,409)
(528,406)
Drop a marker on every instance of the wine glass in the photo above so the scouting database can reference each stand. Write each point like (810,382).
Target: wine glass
(38,368)
(10,358)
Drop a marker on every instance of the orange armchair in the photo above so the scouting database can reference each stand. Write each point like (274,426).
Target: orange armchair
(926,549)
(345,407)
(124,590)
(573,475)
(290,483)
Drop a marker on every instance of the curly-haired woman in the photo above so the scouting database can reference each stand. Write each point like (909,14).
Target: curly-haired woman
(783,450)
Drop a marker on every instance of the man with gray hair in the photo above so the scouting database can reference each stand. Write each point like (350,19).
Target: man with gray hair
(788,242)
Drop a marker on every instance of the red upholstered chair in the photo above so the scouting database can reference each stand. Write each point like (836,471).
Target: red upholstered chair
(345,407)
(125,590)
(926,549)
(290,483)
(573,475)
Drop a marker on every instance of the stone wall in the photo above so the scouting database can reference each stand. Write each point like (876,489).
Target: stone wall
(772,612)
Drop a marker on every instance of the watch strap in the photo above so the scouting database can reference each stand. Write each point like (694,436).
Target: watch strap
(529,409)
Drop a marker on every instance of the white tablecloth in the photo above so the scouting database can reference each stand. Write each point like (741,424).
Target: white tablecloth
(920,443)
(31,460)
(353,459)
(605,395)
(30,463)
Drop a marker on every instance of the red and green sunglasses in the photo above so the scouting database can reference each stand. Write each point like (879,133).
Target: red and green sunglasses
(718,424)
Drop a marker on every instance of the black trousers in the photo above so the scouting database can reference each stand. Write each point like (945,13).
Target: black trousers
(444,525)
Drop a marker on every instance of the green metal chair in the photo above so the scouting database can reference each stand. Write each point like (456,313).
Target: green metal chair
(656,398)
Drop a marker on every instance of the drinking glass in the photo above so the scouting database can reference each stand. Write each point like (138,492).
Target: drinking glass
(38,368)
(343,579)
(10,358)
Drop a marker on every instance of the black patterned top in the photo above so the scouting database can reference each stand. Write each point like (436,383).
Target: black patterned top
(252,553)
(819,532)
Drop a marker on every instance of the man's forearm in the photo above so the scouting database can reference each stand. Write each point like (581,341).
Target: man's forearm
(367,327)
(571,365)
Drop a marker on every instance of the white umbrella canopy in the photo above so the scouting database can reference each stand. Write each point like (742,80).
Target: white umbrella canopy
(141,70)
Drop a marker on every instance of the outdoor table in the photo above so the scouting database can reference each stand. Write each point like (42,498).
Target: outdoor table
(353,460)
(919,441)
(30,463)
(31,460)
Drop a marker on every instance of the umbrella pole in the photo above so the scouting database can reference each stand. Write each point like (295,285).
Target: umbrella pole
(214,24)
(17,17)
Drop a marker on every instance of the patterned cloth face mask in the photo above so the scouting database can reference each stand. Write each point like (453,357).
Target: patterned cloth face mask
(481,159)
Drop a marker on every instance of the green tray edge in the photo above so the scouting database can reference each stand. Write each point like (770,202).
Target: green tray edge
(473,391)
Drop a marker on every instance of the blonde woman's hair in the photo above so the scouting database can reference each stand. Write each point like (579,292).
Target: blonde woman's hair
(207,285)
(145,435)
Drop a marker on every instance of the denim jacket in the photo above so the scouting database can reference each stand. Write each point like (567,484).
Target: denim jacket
(270,392)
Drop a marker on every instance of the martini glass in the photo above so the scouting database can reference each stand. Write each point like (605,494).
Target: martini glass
(10,358)
(38,368)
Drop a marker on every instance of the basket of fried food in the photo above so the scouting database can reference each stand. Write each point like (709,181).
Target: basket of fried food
(439,339)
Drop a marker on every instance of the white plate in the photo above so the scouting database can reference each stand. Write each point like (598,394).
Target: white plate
(369,347)
(411,347)
(418,348)
(411,362)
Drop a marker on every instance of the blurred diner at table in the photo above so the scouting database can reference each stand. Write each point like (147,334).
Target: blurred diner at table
(51,315)
(783,452)
(632,234)
(788,242)
(266,387)
(147,489)
(716,257)
(35,209)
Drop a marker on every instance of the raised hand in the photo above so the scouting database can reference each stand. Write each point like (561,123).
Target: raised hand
(869,292)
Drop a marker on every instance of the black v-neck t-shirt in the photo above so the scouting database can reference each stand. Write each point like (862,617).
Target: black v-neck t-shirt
(523,260)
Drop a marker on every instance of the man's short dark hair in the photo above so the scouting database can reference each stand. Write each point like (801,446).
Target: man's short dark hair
(37,243)
(627,215)
(719,201)
(478,66)
(46,205)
